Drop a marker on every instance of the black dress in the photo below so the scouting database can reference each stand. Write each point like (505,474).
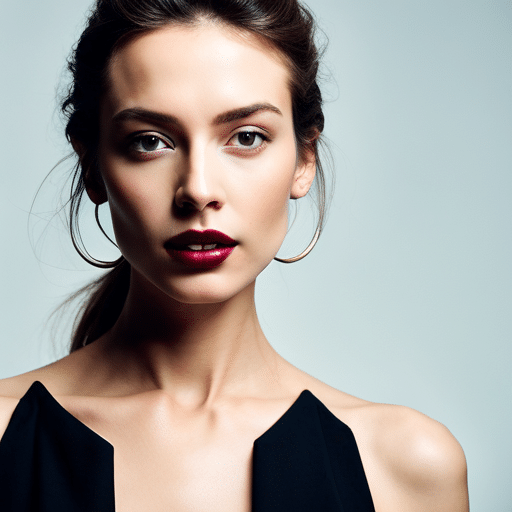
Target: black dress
(307,461)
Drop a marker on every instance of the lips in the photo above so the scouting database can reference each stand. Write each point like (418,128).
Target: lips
(201,250)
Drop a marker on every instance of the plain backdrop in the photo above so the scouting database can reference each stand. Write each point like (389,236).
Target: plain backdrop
(408,296)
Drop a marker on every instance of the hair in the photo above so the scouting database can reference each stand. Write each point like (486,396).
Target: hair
(285,24)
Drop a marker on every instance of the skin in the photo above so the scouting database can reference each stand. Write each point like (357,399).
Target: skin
(186,380)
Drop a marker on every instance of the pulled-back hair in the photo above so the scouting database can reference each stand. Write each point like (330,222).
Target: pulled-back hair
(285,24)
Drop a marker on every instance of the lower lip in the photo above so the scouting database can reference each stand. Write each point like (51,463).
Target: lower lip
(201,260)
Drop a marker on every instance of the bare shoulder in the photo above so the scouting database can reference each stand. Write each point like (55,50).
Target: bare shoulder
(11,390)
(412,462)
(413,445)
(418,455)
(7,406)
(418,449)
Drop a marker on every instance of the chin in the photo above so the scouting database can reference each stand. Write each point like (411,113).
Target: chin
(209,289)
(233,279)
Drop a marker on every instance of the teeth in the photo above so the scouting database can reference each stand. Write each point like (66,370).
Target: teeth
(197,247)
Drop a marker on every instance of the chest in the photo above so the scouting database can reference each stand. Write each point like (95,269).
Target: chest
(157,474)
(52,460)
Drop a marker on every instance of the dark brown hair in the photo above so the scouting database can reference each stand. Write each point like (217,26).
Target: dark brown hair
(285,24)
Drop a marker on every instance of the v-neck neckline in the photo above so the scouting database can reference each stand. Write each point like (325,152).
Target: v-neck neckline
(307,461)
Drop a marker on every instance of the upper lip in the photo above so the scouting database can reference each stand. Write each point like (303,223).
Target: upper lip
(192,237)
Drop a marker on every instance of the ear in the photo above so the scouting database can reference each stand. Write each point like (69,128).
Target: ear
(304,173)
(93,181)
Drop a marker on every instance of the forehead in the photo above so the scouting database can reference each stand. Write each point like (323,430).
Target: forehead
(202,69)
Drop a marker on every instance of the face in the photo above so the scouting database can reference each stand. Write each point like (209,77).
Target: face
(198,159)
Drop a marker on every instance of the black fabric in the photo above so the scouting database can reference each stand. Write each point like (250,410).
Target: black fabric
(51,462)
(307,461)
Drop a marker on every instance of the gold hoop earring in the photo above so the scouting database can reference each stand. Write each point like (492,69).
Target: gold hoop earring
(306,251)
(84,253)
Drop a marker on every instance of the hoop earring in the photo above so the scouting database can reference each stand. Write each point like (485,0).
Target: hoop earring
(306,251)
(86,256)
(97,217)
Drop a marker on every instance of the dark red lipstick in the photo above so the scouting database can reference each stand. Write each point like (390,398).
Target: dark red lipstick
(202,250)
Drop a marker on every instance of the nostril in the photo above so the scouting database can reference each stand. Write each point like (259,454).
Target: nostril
(183,204)
(195,194)
(188,205)
(183,209)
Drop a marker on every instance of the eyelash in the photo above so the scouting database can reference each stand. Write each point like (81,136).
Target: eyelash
(136,143)
(137,140)
(264,140)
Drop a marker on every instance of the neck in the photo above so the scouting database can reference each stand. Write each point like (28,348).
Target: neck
(196,352)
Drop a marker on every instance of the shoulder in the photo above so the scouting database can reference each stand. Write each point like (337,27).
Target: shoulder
(11,390)
(418,457)
(7,406)
(416,448)
(412,462)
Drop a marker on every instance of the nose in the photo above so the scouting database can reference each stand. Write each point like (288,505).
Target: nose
(199,184)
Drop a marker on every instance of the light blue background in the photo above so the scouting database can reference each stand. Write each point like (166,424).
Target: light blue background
(408,297)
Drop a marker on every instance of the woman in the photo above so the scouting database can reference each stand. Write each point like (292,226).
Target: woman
(197,121)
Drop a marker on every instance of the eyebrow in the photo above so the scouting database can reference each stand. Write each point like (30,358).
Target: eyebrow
(243,112)
(142,114)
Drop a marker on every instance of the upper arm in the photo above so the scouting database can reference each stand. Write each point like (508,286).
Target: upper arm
(424,462)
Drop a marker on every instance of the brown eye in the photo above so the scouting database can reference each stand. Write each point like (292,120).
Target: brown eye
(247,138)
(149,143)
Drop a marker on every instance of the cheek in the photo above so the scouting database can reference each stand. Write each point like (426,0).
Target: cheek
(271,206)
(266,204)
(137,204)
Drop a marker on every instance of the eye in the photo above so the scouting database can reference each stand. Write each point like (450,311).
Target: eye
(248,139)
(149,143)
